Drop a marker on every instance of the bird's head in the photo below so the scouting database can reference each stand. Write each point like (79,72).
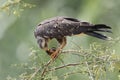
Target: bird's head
(41,42)
(43,45)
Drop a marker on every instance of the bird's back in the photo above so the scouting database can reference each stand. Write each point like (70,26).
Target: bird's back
(59,27)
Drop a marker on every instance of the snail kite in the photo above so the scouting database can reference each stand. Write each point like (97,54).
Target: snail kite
(60,27)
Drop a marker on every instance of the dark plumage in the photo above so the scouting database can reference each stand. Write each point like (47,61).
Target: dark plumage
(60,27)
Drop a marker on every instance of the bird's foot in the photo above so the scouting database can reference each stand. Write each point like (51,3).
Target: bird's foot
(54,55)
(51,51)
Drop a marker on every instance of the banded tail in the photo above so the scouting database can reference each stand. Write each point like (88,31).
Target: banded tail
(96,29)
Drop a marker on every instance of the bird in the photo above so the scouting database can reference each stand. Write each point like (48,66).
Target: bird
(60,27)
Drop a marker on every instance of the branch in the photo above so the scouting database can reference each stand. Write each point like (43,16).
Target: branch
(9,4)
(75,52)
(52,60)
(81,53)
(44,70)
(49,62)
(34,73)
(68,65)
(90,73)
(74,72)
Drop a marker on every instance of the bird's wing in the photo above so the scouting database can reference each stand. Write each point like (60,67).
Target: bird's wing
(71,26)
(59,27)
(71,19)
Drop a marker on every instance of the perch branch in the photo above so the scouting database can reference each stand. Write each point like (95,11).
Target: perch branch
(34,73)
(68,65)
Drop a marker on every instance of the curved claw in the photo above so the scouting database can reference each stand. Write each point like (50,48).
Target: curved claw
(51,51)
(54,53)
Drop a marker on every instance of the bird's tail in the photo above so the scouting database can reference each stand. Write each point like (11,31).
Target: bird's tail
(96,29)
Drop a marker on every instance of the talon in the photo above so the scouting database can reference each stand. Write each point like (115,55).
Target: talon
(51,51)
(54,55)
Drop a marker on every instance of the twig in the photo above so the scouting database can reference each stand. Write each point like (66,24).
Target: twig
(68,65)
(90,73)
(44,70)
(74,72)
(50,61)
(9,4)
(66,51)
(34,73)
(75,52)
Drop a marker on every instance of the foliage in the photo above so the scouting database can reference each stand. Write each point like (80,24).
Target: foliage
(92,64)
(15,7)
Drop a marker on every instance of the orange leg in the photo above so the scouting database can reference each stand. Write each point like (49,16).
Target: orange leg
(62,44)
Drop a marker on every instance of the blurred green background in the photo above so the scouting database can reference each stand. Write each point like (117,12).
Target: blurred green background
(18,19)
